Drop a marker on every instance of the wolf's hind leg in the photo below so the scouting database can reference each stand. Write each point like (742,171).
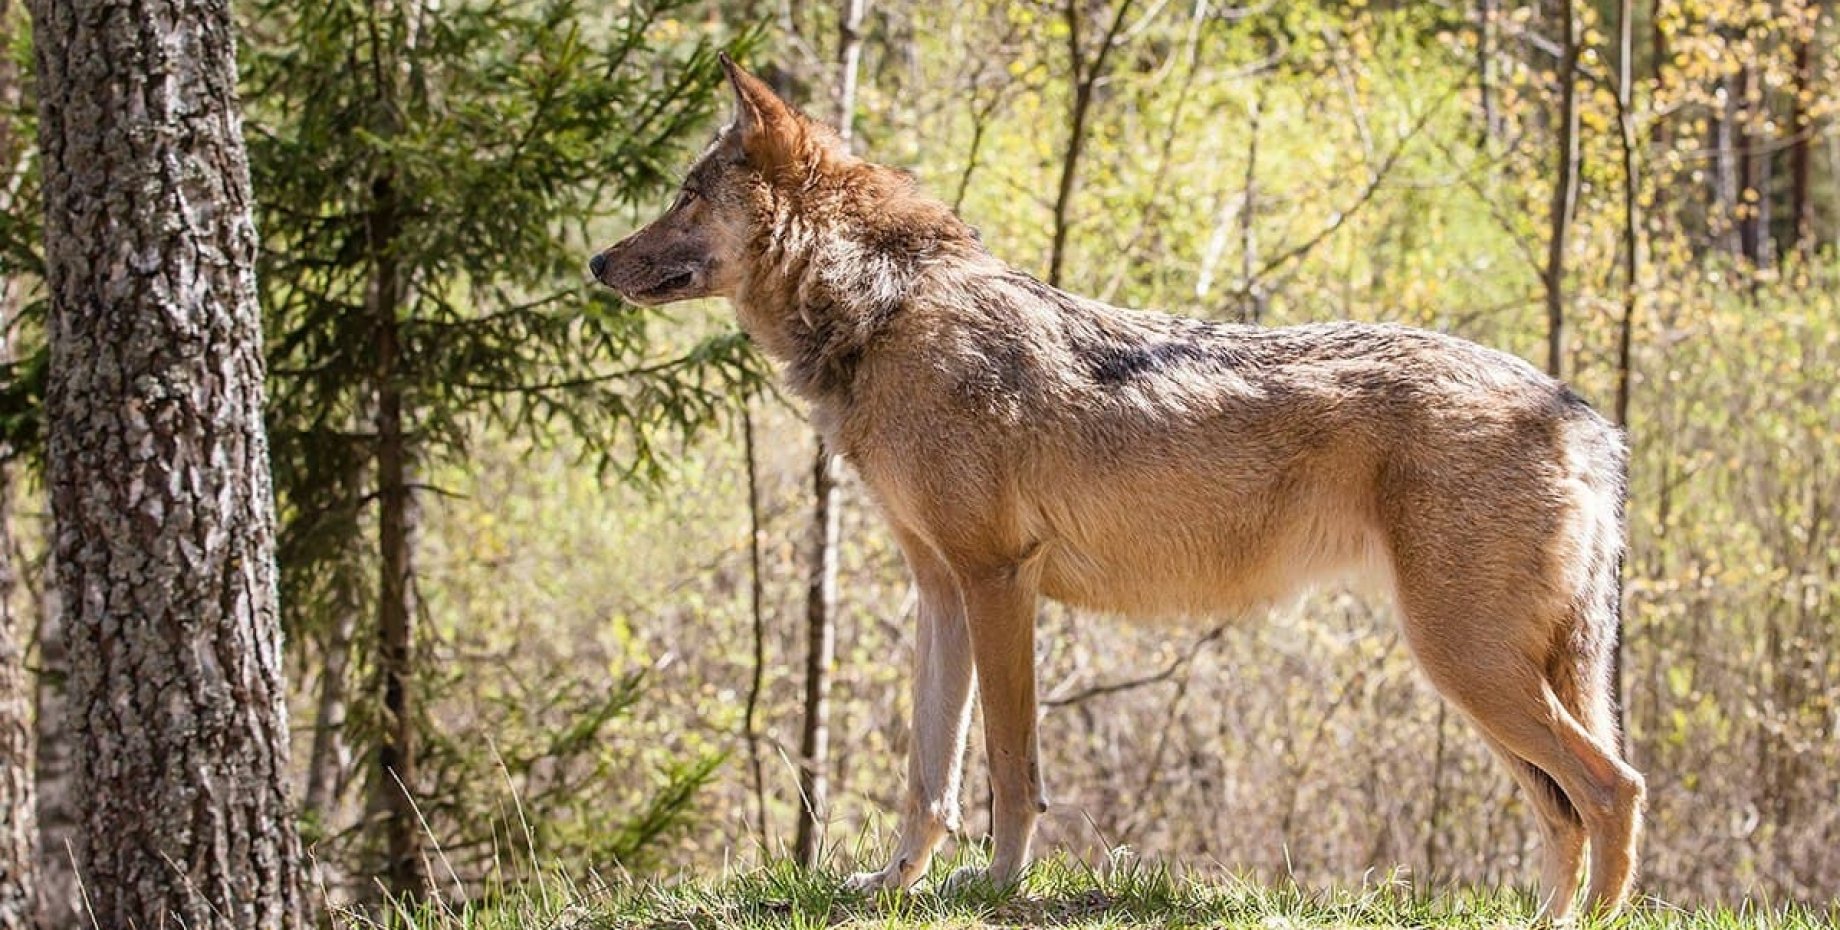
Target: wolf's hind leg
(942,710)
(1561,832)
(1513,702)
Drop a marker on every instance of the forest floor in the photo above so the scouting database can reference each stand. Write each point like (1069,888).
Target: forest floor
(1058,893)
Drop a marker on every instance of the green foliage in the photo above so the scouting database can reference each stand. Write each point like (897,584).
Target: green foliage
(427,180)
(540,792)
(22,264)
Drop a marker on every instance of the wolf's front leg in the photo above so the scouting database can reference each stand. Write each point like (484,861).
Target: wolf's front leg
(942,710)
(1000,613)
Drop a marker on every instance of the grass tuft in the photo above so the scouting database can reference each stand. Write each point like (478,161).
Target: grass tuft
(1058,892)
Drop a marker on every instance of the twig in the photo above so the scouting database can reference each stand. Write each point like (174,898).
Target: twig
(750,725)
(1168,672)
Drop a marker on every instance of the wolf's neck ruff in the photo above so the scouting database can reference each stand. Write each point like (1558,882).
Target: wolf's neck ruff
(838,257)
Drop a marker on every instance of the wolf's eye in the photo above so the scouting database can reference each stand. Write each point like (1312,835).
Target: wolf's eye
(685,196)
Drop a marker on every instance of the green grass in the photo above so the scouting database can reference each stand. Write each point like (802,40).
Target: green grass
(1057,893)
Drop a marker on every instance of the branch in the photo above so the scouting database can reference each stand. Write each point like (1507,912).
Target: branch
(1374,183)
(1168,672)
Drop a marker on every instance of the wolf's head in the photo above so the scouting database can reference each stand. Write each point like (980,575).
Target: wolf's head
(697,247)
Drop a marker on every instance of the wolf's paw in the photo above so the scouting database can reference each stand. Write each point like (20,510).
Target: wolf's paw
(888,879)
(973,879)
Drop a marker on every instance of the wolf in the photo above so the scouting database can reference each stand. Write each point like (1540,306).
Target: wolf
(1022,442)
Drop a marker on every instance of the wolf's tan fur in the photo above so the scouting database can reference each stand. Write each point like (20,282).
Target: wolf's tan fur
(1023,443)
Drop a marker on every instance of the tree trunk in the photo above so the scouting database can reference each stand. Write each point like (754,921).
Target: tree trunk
(1801,203)
(1253,304)
(18,827)
(821,588)
(330,756)
(1485,72)
(1565,190)
(17,816)
(60,902)
(1632,286)
(393,791)
(1752,231)
(1658,135)
(1086,75)
(820,654)
(157,465)
(1721,229)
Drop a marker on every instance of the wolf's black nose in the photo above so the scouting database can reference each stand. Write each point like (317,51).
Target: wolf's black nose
(596,263)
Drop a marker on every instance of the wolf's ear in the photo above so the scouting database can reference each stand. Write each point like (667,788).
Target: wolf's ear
(772,133)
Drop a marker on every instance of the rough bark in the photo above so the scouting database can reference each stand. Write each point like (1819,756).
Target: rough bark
(1565,189)
(157,465)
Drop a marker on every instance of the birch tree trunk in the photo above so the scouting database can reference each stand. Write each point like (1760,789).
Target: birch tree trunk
(157,466)
(59,901)
(1565,190)
(821,590)
(17,814)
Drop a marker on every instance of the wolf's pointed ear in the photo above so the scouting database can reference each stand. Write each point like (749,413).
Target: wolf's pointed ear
(772,133)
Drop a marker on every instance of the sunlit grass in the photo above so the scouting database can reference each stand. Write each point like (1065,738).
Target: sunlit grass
(1057,893)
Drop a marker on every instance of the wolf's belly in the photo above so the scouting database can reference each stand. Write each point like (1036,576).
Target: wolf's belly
(1155,564)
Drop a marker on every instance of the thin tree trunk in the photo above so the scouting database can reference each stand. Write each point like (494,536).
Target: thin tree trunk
(821,587)
(1722,228)
(1485,72)
(1434,823)
(393,788)
(1632,286)
(1632,220)
(750,724)
(1565,190)
(18,820)
(1658,121)
(1750,170)
(1252,307)
(329,760)
(1086,75)
(330,757)
(17,814)
(820,655)
(59,899)
(1801,203)
(157,464)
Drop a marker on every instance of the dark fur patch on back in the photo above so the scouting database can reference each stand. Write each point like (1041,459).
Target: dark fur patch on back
(1114,364)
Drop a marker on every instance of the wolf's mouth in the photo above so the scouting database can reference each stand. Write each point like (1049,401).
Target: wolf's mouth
(669,285)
